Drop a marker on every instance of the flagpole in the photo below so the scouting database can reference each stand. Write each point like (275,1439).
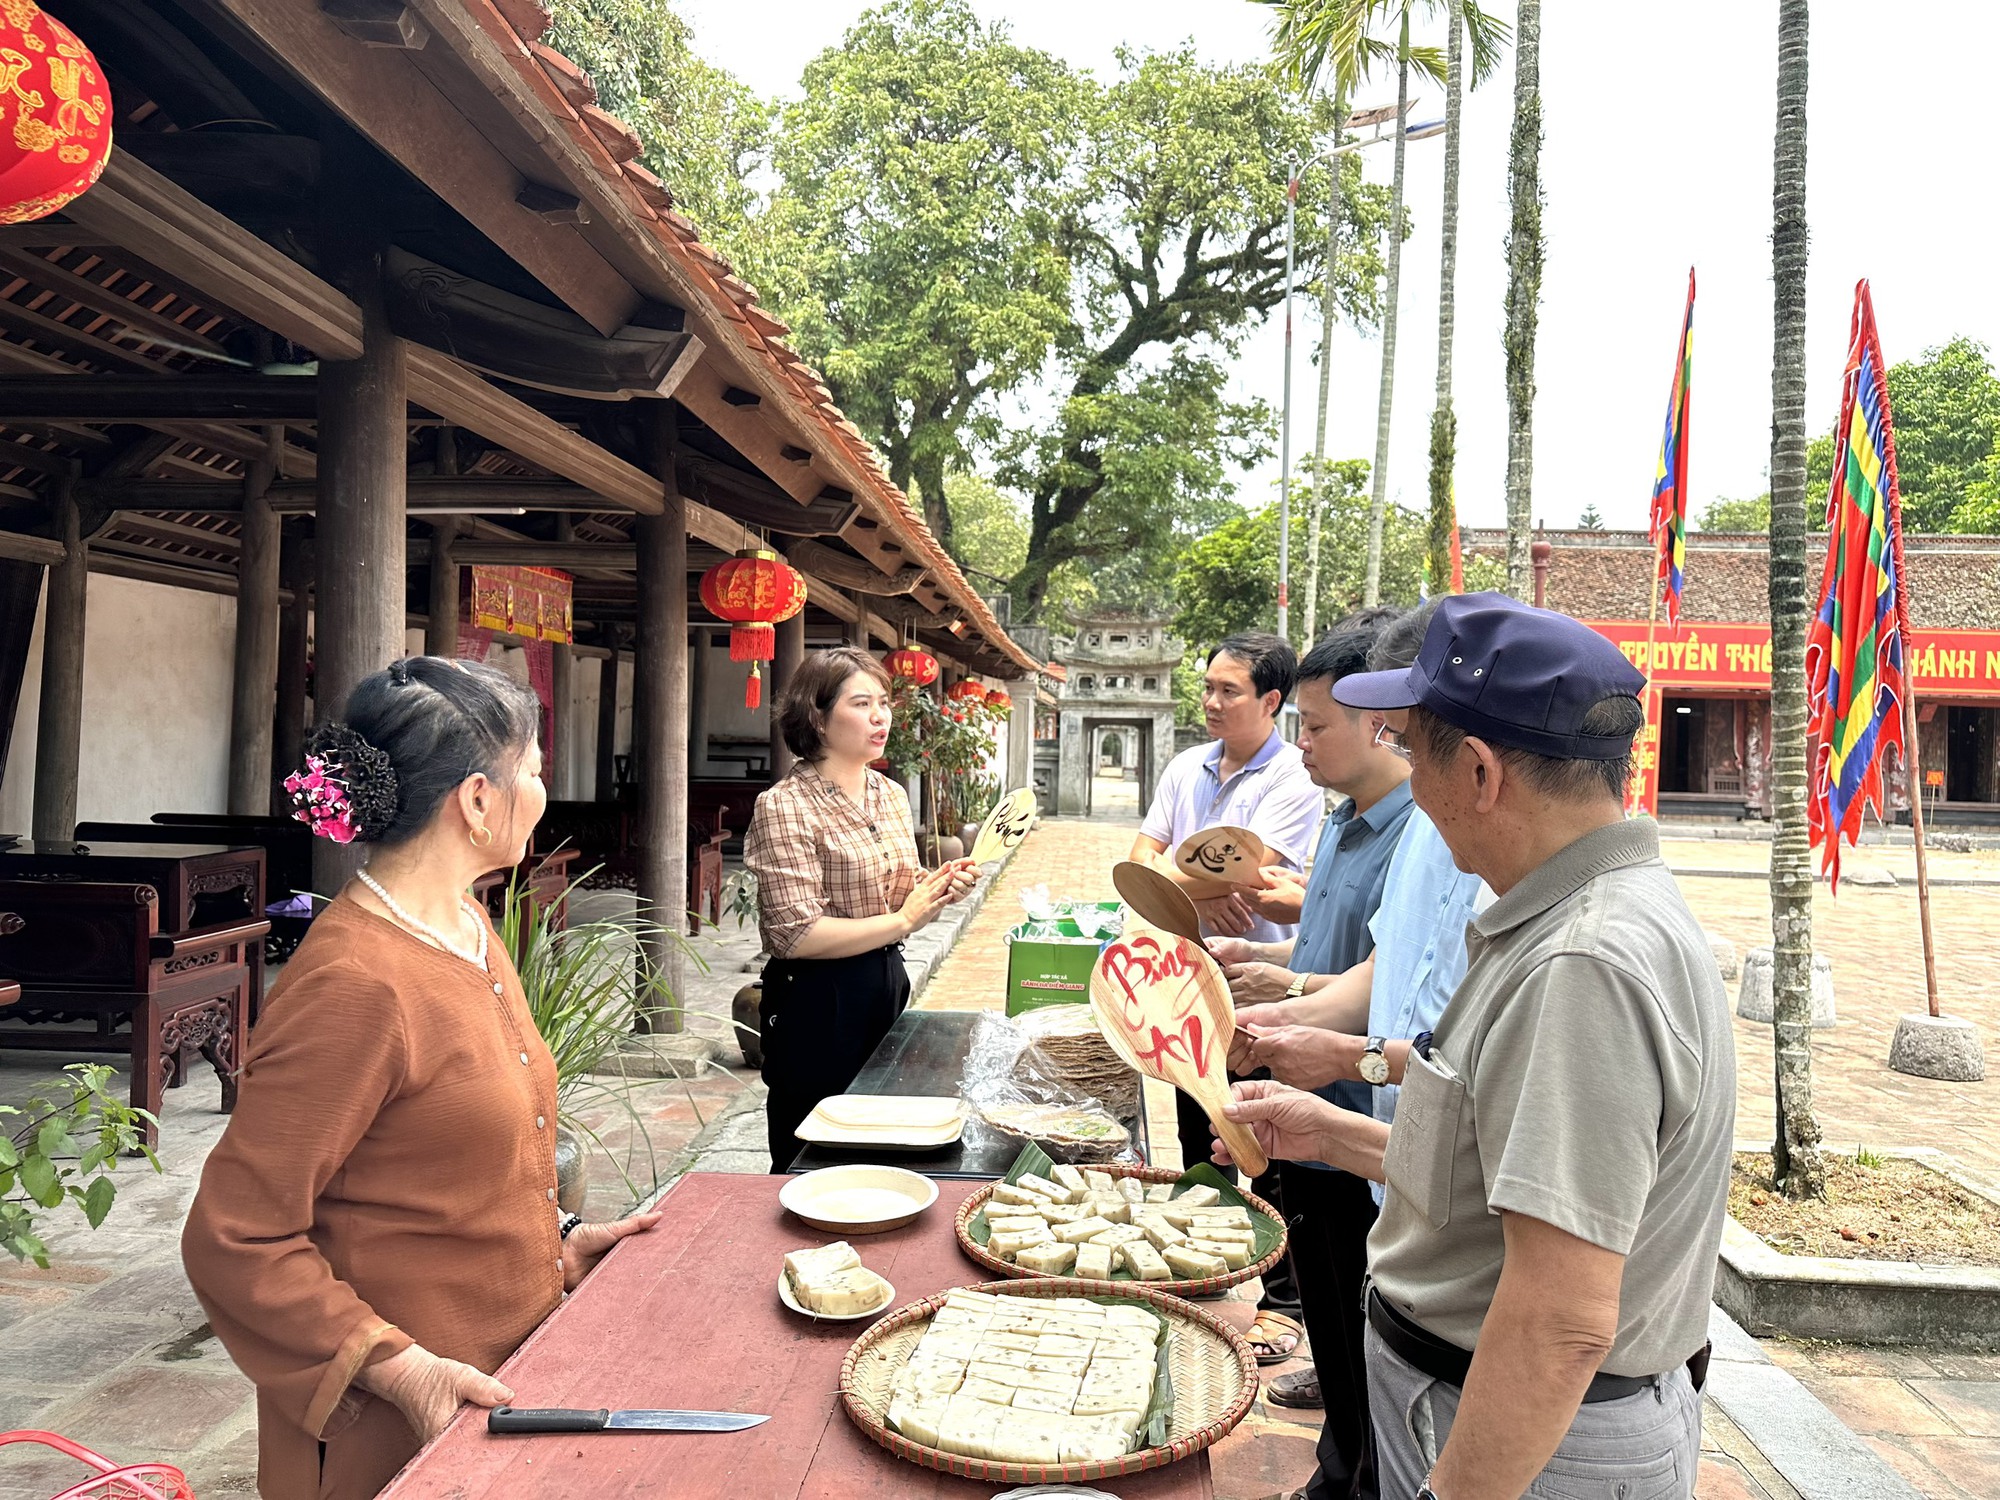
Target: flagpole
(1652,624)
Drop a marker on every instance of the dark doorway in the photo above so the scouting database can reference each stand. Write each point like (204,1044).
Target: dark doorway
(1969,736)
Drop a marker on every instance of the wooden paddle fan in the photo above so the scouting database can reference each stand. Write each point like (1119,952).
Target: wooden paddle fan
(1005,826)
(1164,1006)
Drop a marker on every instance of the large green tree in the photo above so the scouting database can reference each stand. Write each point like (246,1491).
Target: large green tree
(703,131)
(1175,237)
(912,239)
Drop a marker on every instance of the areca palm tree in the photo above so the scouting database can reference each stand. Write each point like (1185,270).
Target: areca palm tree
(1487,36)
(1327,42)
(1796,1164)
(1524,290)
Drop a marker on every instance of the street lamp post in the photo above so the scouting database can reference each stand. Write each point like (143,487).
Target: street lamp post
(1422,130)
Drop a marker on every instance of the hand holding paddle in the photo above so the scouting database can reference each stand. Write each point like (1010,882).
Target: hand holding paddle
(1162,1004)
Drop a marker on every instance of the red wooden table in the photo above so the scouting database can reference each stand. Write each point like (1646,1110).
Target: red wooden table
(687,1316)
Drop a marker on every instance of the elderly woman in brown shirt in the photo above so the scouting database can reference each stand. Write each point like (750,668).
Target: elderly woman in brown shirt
(377,1229)
(838,889)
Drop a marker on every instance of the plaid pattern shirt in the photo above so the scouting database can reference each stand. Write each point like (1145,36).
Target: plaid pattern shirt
(816,854)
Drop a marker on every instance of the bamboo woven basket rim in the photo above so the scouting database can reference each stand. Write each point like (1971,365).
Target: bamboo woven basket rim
(1176,1309)
(1205,1287)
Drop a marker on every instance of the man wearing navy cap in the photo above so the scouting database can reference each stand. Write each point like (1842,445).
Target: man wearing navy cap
(1559,1161)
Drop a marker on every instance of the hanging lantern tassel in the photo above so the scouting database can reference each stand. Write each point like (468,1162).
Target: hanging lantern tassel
(753,690)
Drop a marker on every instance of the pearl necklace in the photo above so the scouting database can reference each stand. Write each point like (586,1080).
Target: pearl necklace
(476,958)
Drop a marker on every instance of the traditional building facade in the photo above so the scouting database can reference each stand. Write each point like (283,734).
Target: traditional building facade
(1119,685)
(1715,670)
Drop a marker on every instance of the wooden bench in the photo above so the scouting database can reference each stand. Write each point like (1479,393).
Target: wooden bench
(90,951)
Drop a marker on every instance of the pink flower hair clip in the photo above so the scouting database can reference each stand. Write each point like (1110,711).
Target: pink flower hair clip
(321,802)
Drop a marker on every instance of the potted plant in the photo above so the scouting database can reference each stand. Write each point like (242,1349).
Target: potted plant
(61,1149)
(949,743)
(583,983)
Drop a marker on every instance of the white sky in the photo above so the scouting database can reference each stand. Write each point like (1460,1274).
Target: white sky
(1659,127)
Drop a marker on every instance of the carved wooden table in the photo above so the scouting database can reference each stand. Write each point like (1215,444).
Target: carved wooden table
(687,1316)
(199,884)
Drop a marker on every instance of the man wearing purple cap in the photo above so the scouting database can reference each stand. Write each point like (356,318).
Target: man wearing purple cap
(1559,1161)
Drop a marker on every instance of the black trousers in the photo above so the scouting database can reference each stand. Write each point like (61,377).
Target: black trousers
(821,1019)
(1331,1214)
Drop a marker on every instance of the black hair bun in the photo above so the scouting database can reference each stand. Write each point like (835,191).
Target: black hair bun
(364,771)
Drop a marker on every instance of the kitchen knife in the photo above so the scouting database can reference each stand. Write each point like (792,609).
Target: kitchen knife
(521,1419)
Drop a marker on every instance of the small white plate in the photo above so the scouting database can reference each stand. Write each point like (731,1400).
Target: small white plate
(785,1296)
(859,1199)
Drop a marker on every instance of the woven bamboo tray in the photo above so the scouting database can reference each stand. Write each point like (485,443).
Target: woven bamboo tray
(1206,1287)
(1214,1376)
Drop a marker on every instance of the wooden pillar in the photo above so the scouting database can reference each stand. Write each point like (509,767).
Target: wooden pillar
(254,690)
(663,794)
(606,786)
(791,656)
(698,654)
(359,531)
(441,608)
(562,707)
(288,726)
(855,631)
(59,733)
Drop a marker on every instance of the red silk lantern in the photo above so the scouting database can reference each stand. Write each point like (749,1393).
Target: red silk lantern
(999,698)
(968,691)
(61,110)
(753,591)
(919,667)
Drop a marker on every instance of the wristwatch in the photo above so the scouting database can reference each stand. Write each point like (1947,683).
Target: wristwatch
(1373,1066)
(1297,987)
(1425,1492)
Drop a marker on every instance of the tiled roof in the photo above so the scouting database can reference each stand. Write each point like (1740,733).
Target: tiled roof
(568,95)
(1607,575)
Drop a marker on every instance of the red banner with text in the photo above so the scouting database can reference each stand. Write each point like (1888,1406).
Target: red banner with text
(1736,658)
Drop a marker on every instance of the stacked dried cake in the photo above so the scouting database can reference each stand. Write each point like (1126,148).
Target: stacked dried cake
(1029,1380)
(831,1280)
(1090,1224)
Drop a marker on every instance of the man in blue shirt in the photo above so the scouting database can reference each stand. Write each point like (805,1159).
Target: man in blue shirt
(1331,1211)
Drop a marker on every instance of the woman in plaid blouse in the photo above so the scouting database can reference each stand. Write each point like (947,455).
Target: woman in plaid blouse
(838,889)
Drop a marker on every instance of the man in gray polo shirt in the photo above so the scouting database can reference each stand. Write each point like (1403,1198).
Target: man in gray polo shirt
(1559,1161)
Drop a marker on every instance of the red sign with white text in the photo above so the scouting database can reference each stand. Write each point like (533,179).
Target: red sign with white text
(1732,657)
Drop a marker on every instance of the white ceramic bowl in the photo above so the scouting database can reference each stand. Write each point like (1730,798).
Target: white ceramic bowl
(859,1199)
(785,1296)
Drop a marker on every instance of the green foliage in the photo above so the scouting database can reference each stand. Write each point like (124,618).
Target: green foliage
(951,741)
(989,532)
(1590,520)
(912,241)
(1724,514)
(703,131)
(1872,1160)
(1227,580)
(61,1149)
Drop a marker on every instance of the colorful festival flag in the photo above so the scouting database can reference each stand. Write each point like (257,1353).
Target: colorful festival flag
(1668,526)
(1854,652)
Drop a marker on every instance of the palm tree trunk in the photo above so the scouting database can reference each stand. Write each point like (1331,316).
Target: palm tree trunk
(1795,1154)
(1378,500)
(1444,424)
(1326,313)
(1524,290)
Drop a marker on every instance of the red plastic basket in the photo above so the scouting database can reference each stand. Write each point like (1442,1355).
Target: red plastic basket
(111,1481)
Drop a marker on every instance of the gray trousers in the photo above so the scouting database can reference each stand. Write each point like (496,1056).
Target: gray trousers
(1640,1447)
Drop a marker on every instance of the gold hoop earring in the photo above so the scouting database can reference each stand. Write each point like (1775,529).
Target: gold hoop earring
(477,842)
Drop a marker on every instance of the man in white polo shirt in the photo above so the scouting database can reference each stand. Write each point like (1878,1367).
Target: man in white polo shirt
(1559,1162)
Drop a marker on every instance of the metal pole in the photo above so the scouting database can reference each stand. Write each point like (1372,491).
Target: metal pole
(1285,429)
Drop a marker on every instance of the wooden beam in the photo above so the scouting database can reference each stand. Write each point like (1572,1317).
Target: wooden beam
(136,206)
(551,205)
(607,556)
(178,531)
(258,399)
(32,549)
(378,23)
(398,100)
(120,306)
(25,456)
(854,573)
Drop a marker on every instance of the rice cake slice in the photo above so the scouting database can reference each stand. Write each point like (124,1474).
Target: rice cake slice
(1119,1234)
(1008,1246)
(1191,1264)
(1051,1259)
(1144,1262)
(969,1427)
(1050,1401)
(1159,1192)
(1064,1346)
(1081,1230)
(1234,1255)
(1097,1181)
(948,1343)
(1198,1196)
(1068,1177)
(1054,1192)
(1063,1213)
(1131,1189)
(1049,1380)
(917,1420)
(1161,1235)
(1025,1342)
(978,1388)
(1093,1262)
(929,1379)
(1007,1192)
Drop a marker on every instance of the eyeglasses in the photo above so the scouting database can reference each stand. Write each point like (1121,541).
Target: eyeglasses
(1392,740)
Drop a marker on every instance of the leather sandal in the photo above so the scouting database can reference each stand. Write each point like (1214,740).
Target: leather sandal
(1274,1338)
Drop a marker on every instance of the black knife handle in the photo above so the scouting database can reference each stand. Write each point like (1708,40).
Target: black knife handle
(546,1419)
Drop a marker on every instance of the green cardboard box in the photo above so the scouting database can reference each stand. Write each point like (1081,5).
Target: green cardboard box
(1049,963)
